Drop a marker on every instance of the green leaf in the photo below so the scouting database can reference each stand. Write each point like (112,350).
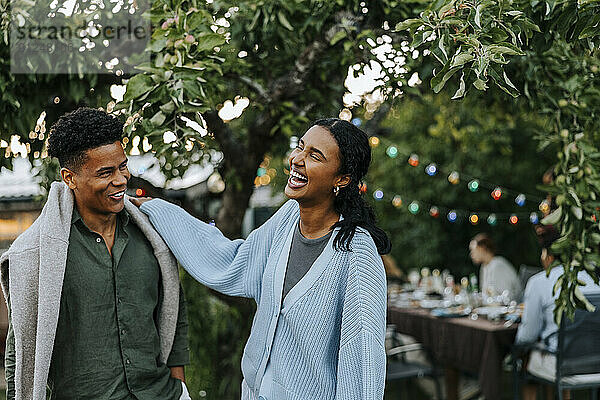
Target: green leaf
(579,295)
(408,24)
(461,88)
(590,31)
(478,15)
(461,59)
(577,212)
(339,35)
(283,20)
(553,217)
(505,48)
(137,86)
(439,80)
(480,84)
(158,119)
(208,41)
(158,44)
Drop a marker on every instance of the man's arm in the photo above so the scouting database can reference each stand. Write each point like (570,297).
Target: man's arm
(180,352)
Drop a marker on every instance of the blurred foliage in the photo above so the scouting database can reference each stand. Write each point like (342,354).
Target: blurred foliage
(554,45)
(478,137)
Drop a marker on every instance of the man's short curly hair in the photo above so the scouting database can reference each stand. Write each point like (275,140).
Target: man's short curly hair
(78,131)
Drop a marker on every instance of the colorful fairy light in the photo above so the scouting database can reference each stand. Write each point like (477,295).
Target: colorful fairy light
(492,220)
(513,219)
(545,206)
(413,160)
(497,193)
(413,207)
(474,219)
(431,169)
(374,141)
(140,192)
(454,177)
(520,200)
(261,171)
(392,152)
(378,194)
(452,216)
(533,218)
(362,188)
(434,211)
(356,122)
(397,201)
(474,185)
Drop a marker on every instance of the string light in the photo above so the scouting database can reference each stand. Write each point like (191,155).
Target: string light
(545,206)
(397,201)
(413,160)
(261,171)
(140,192)
(392,152)
(452,216)
(474,185)
(520,200)
(474,218)
(413,207)
(431,169)
(492,220)
(513,219)
(454,177)
(434,211)
(497,193)
(533,218)
(374,141)
(378,194)
(362,188)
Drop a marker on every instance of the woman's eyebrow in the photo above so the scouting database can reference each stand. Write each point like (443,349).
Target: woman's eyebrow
(313,149)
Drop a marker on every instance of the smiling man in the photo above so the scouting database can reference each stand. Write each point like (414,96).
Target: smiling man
(95,306)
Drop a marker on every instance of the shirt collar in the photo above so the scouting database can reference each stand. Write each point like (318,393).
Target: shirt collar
(123,216)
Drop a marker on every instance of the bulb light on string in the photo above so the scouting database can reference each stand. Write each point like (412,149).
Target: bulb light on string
(520,200)
(434,211)
(513,219)
(378,195)
(474,219)
(545,206)
(431,169)
(413,160)
(397,201)
(362,188)
(392,152)
(533,218)
(413,207)
(356,122)
(454,177)
(492,220)
(261,171)
(452,216)
(374,141)
(497,193)
(474,185)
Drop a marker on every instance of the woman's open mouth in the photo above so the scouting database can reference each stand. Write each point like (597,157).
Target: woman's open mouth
(296,179)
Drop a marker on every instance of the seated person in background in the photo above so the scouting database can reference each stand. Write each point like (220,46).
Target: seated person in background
(537,322)
(496,274)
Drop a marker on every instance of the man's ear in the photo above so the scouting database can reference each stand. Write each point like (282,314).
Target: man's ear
(343,181)
(68,177)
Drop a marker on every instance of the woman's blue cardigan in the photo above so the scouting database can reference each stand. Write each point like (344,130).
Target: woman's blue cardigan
(326,339)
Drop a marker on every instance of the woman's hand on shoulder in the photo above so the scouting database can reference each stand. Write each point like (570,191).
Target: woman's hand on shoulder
(138,201)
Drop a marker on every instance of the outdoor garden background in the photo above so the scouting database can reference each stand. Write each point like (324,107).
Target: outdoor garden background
(497,91)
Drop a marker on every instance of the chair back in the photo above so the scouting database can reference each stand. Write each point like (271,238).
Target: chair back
(579,342)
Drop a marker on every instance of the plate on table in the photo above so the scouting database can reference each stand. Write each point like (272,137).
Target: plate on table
(492,311)
(429,303)
(451,312)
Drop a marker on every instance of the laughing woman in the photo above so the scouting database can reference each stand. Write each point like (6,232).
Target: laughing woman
(313,269)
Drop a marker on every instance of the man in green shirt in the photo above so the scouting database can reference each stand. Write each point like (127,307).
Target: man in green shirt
(115,319)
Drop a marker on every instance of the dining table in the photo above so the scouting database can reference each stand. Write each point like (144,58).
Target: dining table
(471,343)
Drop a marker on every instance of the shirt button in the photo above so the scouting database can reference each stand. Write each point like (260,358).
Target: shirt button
(127,361)
(119,300)
(98,240)
(122,331)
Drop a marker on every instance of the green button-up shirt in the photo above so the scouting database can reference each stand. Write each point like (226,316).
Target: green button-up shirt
(107,342)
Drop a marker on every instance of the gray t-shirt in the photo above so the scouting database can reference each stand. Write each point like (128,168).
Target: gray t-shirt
(303,254)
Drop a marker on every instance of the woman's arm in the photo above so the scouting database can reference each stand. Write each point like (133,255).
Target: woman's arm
(232,267)
(361,359)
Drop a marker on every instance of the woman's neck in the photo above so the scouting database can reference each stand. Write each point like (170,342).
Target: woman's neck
(316,221)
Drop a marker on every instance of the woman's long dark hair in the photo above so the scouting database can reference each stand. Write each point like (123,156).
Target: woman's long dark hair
(355,157)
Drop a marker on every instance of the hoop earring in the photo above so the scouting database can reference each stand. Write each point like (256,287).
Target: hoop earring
(336,190)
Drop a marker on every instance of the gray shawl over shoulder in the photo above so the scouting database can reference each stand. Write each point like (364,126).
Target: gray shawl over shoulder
(32,272)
